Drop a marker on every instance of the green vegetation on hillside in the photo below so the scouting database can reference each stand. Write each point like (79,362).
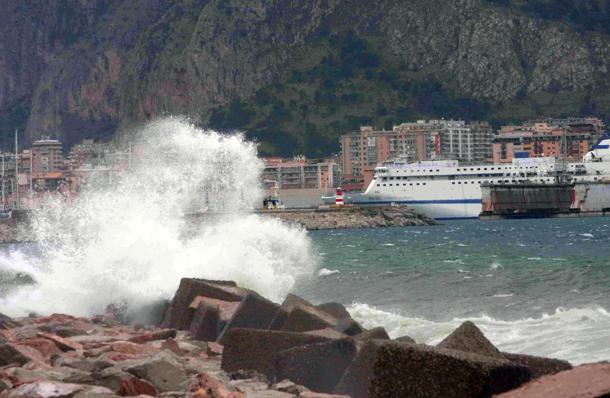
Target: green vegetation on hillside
(584,15)
(344,81)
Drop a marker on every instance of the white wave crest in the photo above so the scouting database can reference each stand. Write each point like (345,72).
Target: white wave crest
(326,272)
(131,240)
(578,335)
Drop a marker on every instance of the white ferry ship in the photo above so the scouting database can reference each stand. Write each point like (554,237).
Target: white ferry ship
(447,190)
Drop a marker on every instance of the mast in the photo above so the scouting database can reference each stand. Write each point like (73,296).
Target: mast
(3,200)
(31,172)
(17,171)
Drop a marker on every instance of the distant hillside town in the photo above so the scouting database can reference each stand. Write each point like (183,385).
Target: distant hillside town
(33,172)
(45,168)
(468,142)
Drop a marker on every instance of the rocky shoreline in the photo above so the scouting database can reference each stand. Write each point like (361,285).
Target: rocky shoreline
(216,340)
(353,217)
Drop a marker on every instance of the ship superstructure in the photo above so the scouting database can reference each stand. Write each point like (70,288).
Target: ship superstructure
(445,189)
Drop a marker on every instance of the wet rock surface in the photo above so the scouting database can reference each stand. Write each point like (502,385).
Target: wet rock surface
(267,350)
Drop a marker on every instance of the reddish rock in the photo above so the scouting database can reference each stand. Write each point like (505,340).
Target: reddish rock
(11,354)
(96,352)
(205,386)
(206,322)
(60,342)
(214,349)
(159,335)
(117,356)
(179,315)
(173,346)
(44,346)
(127,347)
(8,334)
(586,381)
(135,386)
(7,322)
(56,318)
(45,389)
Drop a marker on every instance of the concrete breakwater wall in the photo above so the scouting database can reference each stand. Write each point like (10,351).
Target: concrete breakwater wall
(352,217)
(218,339)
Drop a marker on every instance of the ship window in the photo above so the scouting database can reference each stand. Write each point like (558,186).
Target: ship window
(410,184)
(459,182)
(417,183)
(453,182)
(390,184)
(404,185)
(478,168)
(384,185)
(485,168)
(424,183)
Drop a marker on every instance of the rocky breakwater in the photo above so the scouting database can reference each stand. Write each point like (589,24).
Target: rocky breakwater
(352,217)
(216,339)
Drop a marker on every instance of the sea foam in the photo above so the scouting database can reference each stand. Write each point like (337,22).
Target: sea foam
(578,334)
(132,238)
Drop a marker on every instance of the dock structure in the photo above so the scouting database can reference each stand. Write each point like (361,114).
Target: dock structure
(532,200)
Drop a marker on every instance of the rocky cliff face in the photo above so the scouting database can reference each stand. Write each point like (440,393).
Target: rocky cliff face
(82,68)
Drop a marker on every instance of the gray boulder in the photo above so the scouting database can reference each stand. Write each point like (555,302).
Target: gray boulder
(162,370)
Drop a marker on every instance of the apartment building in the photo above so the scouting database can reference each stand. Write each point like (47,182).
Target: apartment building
(362,150)
(571,138)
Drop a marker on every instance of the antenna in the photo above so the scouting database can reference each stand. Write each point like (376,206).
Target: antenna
(17,171)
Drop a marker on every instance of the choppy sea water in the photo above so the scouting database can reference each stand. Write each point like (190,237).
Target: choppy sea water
(540,287)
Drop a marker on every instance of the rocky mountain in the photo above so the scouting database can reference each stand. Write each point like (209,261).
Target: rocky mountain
(295,74)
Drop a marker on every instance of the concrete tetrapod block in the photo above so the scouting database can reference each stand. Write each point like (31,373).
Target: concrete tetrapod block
(385,368)
(469,338)
(414,371)
(179,315)
(254,312)
(318,367)
(289,303)
(254,349)
(378,333)
(205,323)
(335,309)
(539,366)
